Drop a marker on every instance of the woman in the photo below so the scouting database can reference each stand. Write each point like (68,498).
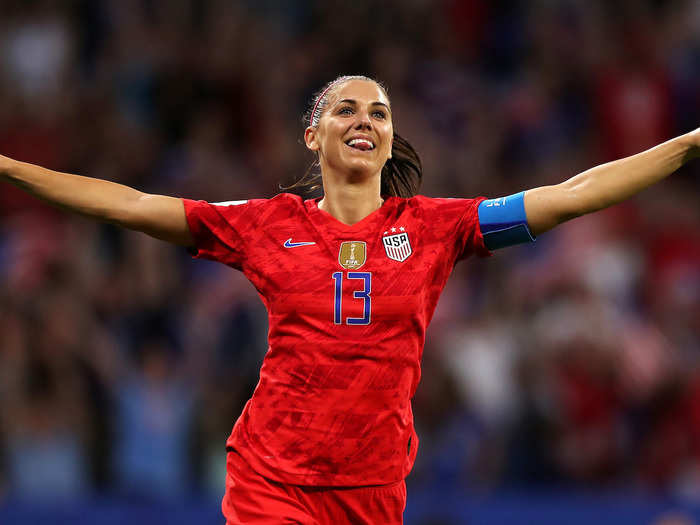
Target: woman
(350,282)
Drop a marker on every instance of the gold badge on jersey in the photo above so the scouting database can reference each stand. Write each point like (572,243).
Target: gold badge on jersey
(352,254)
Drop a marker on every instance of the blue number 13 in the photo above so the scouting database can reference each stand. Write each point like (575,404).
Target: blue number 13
(357,294)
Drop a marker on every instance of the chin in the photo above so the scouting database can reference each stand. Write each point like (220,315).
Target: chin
(361,166)
(361,169)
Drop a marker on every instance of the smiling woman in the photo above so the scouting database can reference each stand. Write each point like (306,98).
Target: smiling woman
(350,282)
(341,100)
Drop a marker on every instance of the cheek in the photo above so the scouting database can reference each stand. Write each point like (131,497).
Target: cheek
(389,143)
(333,137)
(389,136)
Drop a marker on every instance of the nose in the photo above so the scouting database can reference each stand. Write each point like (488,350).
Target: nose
(363,121)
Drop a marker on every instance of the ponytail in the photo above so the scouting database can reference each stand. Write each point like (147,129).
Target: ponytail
(403,172)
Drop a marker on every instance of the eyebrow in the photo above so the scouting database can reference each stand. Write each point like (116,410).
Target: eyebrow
(354,102)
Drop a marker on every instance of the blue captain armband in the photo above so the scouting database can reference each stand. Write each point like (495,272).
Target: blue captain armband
(503,221)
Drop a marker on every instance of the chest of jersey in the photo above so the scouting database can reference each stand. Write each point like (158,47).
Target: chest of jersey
(345,279)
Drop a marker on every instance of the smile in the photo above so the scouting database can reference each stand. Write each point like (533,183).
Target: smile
(361,144)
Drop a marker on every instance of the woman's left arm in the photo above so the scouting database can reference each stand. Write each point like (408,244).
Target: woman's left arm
(607,184)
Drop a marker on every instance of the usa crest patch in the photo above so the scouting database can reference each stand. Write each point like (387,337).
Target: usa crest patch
(397,247)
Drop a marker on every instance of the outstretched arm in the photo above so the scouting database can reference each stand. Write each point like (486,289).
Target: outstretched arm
(157,215)
(607,184)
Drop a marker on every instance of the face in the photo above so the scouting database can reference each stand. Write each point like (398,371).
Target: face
(355,131)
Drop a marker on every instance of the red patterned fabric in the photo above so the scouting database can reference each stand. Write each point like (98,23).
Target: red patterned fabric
(252,499)
(333,404)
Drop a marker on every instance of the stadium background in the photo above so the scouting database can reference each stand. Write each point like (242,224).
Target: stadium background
(560,380)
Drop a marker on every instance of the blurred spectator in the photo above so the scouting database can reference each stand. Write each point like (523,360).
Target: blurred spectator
(153,425)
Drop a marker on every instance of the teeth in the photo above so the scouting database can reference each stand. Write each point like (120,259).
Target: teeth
(354,142)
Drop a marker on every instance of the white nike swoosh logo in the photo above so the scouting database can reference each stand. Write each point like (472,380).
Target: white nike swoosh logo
(289,244)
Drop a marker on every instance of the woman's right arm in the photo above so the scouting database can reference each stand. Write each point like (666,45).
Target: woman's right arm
(156,215)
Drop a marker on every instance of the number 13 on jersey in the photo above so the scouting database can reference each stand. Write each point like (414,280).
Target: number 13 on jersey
(362,294)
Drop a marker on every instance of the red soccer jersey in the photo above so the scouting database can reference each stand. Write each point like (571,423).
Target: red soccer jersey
(348,308)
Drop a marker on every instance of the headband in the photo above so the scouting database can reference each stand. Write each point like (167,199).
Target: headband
(313,111)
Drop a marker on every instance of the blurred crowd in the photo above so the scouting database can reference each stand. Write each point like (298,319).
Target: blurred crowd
(569,362)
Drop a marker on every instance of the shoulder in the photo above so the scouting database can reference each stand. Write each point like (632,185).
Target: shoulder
(287,199)
(282,200)
(437,204)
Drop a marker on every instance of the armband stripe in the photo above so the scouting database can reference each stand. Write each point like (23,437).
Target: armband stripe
(503,221)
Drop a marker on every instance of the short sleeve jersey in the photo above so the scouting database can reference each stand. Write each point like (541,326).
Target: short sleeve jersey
(348,308)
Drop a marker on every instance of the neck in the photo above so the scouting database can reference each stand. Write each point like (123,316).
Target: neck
(351,202)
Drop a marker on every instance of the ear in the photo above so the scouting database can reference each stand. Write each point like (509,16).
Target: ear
(310,138)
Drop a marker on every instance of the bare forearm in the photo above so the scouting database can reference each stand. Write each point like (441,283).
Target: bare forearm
(94,198)
(607,184)
(616,181)
(159,216)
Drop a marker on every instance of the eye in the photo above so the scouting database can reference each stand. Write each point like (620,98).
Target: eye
(379,114)
(345,110)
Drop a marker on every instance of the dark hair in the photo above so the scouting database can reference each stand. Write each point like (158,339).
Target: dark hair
(402,173)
